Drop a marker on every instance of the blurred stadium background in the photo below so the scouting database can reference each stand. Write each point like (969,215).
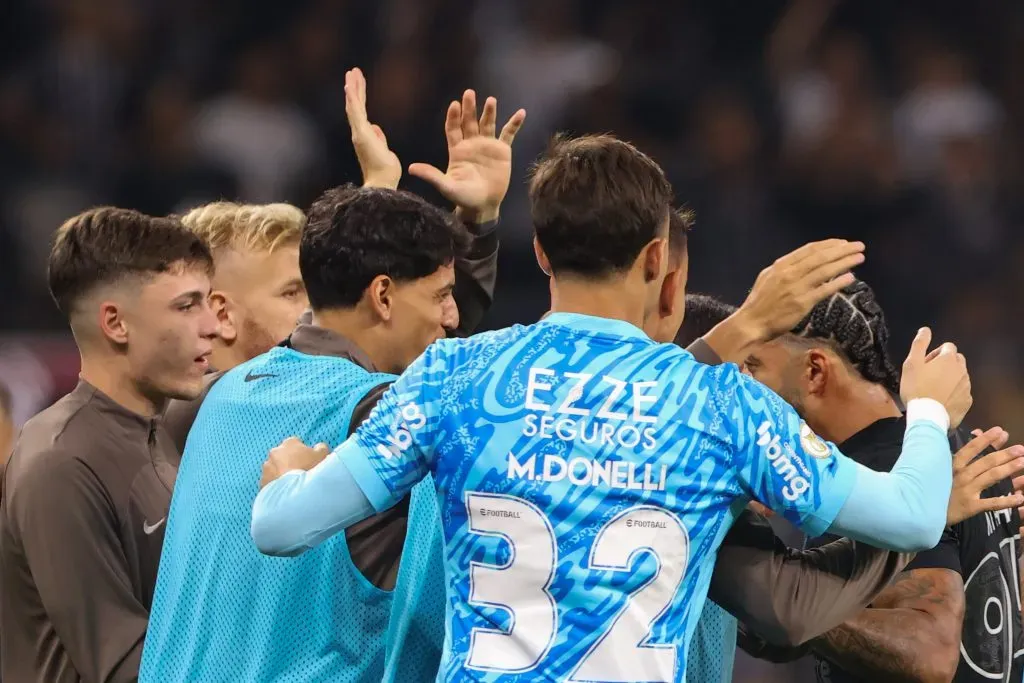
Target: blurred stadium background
(899,123)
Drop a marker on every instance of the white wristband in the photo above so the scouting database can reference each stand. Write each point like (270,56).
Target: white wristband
(927,409)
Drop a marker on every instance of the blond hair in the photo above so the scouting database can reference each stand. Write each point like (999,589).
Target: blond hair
(246,227)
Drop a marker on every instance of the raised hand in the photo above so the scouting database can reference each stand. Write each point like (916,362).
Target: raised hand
(380,166)
(784,293)
(972,475)
(479,164)
(940,375)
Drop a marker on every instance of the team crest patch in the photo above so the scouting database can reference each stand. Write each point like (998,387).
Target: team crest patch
(813,443)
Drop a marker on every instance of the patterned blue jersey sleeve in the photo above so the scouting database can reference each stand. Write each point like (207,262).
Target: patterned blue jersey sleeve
(394,447)
(780,460)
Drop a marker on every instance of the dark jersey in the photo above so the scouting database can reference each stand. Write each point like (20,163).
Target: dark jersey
(85,499)
(985,551)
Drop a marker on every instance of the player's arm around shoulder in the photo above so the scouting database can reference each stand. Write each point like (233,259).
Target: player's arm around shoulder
(789,596)
(910,633)
(307,494)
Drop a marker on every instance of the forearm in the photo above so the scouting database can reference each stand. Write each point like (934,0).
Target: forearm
(301,509)
(733,339)
(475,276)
(905,509)
(790,596)
(891,645)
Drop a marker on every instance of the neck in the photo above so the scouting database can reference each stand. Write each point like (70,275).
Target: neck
(361,330)
(109,375)
(862,405)
(601,299)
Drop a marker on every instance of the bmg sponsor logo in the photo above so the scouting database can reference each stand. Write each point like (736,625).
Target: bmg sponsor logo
(400,438)
(771,445)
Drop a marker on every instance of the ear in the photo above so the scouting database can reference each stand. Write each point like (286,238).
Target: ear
(667,298)
(224,309)
(381,297)
(112,322)
(542,258)
(655,259)
(818,371)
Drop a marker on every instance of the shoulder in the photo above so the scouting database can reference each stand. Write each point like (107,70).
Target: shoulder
(457,352)
(50,463)
(52,439)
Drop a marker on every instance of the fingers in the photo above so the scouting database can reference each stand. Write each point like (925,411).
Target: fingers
(829,263)
(822,292)
(829,272)
(509,130)
(995,437)
(322,448)
(995,467)
(379,132)
(814,249)
(996,504)
(489,119)
(919,346)
(1018,483)
(470,125)
(453,124)
(431,174)
(355,102)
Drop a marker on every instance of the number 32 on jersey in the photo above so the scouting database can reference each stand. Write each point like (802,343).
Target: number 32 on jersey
(619,655)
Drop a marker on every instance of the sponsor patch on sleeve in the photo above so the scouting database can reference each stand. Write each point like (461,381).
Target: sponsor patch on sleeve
(812,443)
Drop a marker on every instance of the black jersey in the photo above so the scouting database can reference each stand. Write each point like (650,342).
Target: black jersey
(985,551)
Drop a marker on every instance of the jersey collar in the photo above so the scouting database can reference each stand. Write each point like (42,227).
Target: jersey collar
(591,323)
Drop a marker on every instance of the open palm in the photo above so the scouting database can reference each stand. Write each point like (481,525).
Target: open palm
(479,164)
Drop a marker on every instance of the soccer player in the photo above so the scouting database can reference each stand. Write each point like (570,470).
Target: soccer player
(955,613)
(380,267)
(87,489)
(586,474)
(787,595)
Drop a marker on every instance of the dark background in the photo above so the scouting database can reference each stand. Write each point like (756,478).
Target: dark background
(898,123)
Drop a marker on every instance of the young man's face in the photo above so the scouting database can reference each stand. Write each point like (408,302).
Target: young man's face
(170,330)
(266,295)
(424,311)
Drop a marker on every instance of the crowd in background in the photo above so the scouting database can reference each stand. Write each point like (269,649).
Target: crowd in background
(778,122)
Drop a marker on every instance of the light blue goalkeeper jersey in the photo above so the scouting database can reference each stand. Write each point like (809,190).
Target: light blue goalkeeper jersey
(586,477)
(224,612)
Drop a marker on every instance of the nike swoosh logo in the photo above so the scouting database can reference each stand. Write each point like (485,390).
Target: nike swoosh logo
(249,377)
(150,528)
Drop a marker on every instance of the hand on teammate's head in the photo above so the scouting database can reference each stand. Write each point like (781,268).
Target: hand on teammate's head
(479,162)
(940,374)
(380,166)
(786,291)
(973,474)
(291,454)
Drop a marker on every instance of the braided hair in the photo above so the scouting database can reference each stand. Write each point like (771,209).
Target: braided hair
(852,321)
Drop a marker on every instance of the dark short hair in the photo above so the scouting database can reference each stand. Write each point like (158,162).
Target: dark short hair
(852,323)
(104,245)
(680,222)
(703,312)
(596,201)
(354,234)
